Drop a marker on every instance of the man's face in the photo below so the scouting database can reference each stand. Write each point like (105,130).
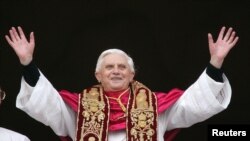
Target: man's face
(115,73)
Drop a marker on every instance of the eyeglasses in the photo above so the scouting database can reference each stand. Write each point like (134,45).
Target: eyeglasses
(2,94)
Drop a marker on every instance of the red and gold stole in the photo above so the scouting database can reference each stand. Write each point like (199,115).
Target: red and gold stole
(93,115)
(142,114)
(94,109)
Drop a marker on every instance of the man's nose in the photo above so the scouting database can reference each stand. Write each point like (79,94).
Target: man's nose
(116,70)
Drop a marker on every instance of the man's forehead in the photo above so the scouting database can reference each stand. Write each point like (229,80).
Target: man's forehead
(114,55)
(115,63)
(115,59)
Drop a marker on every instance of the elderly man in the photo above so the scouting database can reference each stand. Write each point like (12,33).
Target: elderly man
(6,134)
(120,108)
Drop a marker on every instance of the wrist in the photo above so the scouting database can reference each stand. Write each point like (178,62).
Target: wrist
(216,62)
(26,61)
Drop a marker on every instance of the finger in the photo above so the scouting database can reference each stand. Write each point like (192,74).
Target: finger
(16,35)
(228,34)
(210,40)
(234,41)
(230,40)
(13,39)
(9,40)
(22,36)
(221,33)
(32,38)
(11,43)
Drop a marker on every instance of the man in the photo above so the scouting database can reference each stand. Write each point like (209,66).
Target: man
(120,108)
(6,134)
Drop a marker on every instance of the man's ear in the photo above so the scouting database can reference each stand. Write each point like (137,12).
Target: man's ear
(132,76)
(98,77)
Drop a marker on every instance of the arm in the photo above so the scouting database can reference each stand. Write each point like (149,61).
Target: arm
(43,103)
(202,100)
(37,97)
(207,96)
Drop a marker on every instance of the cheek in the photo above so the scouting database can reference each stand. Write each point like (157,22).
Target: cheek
(130,77)
(106,75)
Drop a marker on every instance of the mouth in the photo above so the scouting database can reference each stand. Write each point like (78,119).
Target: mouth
(116,79)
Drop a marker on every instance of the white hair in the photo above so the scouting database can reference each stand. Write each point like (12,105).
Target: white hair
(114,51)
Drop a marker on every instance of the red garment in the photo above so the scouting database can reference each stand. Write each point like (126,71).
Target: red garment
(165,100)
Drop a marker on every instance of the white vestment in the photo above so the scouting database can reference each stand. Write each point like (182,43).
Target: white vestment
(8,135)
(199,102)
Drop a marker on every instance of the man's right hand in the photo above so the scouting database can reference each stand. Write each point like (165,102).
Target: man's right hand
(24,49)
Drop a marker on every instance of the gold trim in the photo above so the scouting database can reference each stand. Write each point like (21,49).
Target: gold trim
(94,116)
(143,114)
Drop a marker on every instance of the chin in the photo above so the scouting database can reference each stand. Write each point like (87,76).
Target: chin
(117,88)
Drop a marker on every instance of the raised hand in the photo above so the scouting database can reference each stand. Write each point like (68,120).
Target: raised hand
(219,49)
(23,48)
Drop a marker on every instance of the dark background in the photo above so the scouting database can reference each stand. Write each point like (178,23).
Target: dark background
(167,40)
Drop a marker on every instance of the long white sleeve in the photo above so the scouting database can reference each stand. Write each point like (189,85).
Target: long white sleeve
(44,104)
(9,135)
(199,102)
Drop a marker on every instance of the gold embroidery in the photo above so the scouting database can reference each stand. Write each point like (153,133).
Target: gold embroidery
(93,114)
(142,116)
(142,121)
(91,139)
(141,100)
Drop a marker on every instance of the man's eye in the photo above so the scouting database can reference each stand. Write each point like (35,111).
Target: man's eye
(122,67)
(109,67)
